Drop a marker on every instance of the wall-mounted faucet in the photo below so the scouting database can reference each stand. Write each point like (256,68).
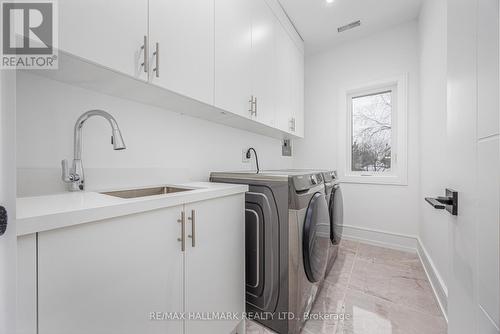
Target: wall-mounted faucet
(75,176)
(249,155)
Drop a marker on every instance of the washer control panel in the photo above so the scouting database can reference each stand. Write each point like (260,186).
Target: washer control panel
(307,181)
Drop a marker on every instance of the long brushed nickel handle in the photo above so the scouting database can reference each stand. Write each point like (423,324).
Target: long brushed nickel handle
(255,106)
(157,57)
(251,105)
(193,228)
(182,239)
(146,56)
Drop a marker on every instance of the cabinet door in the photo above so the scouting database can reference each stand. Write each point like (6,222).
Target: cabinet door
(263,56)
(108,33)
(298,90)
(215,263)
(285,65)
(26,285)
(185,33)
(107,277)
(233,55)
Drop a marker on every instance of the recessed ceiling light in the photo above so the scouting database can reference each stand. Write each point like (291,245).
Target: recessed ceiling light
(330,1)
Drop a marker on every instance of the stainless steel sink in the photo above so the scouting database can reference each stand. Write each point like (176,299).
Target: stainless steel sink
(134,193)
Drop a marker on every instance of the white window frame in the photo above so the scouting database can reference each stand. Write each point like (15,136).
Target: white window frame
(398,175)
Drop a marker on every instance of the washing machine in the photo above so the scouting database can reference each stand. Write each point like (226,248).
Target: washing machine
(287,235)
(334,200)
(336,214)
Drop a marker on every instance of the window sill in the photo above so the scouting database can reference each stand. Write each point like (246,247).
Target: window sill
(374,179)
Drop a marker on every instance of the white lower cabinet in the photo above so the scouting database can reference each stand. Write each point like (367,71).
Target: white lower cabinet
(117,276)
(215,265)
(106,277)
(26,281)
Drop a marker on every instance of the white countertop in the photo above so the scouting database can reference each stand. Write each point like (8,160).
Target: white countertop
(43,213)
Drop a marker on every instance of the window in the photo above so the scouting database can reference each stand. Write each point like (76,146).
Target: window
(371,139)
(375,133)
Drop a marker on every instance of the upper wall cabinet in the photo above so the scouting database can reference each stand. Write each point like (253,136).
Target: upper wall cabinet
(111,35)
(242,57)
(263,62)
(257,72)
(297,114)
(289,94)
(182,47)
(285,52)
(233,56)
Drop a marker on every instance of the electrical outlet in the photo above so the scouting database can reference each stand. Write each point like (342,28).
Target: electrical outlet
(244,158)
(286,148)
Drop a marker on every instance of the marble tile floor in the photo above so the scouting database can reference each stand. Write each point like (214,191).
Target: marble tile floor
(379,291)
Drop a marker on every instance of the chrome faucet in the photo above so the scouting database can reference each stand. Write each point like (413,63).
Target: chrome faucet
(75,176)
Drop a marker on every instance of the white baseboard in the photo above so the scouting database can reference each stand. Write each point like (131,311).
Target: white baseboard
(437,283)
(381,238)
(405,243)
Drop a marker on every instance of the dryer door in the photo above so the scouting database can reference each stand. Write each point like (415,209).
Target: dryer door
(336,209)
(316,238)
(262,249)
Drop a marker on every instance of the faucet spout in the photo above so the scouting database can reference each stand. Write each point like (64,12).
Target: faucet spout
(75,177)
(116,135)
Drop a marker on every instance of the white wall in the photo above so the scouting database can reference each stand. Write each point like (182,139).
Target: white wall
(393,209)
(433,227)
(162,146)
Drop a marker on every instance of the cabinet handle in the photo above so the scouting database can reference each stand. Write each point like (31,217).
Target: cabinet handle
(182,239)
(251,105)
(157,58)
(255,106)
(145,48)
(193,228)
(292,124)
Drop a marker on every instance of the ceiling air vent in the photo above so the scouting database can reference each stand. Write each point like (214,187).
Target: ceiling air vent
(349,26)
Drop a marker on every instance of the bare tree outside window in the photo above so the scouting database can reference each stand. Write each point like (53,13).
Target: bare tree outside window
(371,132)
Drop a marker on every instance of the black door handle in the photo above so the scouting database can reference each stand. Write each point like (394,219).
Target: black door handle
(448,202)
(3,220)
(435,203)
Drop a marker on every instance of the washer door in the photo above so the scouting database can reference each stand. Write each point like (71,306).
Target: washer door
(336,209)
(316,238)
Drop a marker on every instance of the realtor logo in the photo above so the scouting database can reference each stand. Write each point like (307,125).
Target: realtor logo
(29,38)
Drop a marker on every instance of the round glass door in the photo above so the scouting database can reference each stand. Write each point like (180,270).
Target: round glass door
(316,238)
(336,209)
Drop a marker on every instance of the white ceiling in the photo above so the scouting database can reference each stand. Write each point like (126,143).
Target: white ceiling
(317,21)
